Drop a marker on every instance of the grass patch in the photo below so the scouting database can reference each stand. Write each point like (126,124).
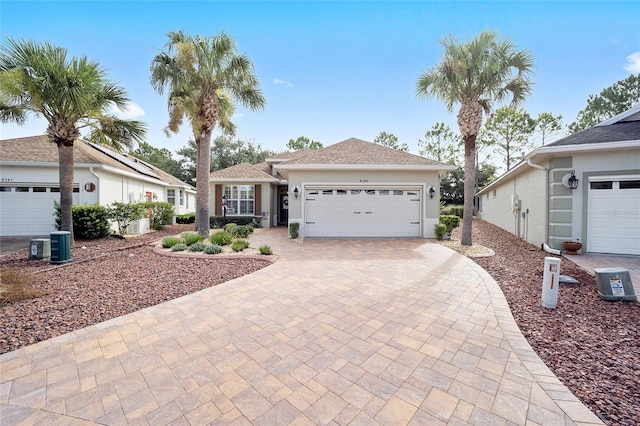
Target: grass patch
(266,250)
(16,286)
(191,237)
(168,242)
(179,247)
(221,238)
(239,245)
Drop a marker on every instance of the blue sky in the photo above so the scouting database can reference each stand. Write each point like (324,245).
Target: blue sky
(334,70)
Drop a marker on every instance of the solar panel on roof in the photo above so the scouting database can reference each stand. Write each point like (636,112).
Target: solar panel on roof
(124,160)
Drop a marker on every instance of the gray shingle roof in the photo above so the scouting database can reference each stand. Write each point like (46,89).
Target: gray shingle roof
(618,132)
(241,171)
(358,152)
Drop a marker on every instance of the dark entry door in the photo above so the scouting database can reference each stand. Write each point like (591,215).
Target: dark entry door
(283,213)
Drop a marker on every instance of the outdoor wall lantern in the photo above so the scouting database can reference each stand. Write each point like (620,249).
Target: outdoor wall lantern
(432,192)
(296,191)
(570,181)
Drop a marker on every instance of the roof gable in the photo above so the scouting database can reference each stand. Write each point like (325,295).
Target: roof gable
(242,171)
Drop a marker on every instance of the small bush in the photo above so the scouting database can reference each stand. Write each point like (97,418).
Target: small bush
(168,242)
(216,222)
(160,213)
(212,249)
(89,221)
(229,227)
(241,231)
(294,228)
(450,221)
(191,237)
(186,218)
(453,210)
(221,238)
(266,250)
(239,245)
(198,246)
(179,247)
(124,214)
(16,286)
(441,229)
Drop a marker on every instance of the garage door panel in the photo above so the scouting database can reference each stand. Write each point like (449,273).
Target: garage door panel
(28,213)
(362,212)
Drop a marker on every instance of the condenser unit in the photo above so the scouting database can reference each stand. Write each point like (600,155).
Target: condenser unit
(39,248)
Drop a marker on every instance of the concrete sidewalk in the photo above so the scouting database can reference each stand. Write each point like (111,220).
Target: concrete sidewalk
(345,332)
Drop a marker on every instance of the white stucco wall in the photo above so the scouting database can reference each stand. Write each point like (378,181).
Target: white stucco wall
(430,207)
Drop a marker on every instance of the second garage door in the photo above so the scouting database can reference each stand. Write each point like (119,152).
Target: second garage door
(362,212)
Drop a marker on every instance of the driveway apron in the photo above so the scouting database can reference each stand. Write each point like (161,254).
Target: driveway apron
(347,332)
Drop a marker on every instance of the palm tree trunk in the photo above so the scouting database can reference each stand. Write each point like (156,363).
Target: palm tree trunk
(203,169)
(469,180)
(65,167)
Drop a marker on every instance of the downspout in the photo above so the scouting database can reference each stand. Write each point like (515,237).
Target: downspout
(545,246)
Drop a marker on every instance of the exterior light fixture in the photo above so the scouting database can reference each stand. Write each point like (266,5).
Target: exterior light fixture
(572,181)
(432,192)
(296,191)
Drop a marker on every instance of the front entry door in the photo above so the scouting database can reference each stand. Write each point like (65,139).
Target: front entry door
(283,216)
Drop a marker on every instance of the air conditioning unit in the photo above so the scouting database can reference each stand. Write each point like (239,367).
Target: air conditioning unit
(40,248)
(614,284)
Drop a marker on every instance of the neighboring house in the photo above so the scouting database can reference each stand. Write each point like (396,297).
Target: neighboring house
(29,183)
(534,200)
(351,189)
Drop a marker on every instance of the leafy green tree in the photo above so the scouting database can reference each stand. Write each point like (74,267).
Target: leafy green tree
(548,125)
(476,75)
(390,141)
(613,100)
(159,157)
(509,130)
(303,142)
(452,183)
(124,214)
(71,94)
(441,144)
(204,75)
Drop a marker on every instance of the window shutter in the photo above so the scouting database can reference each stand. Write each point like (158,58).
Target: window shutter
(218,200)
(257,195)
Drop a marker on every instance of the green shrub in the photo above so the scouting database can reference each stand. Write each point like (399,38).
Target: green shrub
(160,213)
(89,221)
(186,218)
(441,229)
(229,227)
(168,242)
(216,222)
(179,247)
(124,214)
(191,237)
(453,210)
(221,238)
(198,246)
(239,245)
(266,250)
(212,249)
(450,221)
(294,228)
(241,231)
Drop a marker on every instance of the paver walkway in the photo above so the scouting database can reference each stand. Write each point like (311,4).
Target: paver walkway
(346,332)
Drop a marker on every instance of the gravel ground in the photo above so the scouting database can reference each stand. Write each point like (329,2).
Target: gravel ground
(590,344)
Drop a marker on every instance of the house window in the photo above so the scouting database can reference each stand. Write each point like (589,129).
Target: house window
(240,200)
(171,196)
(39,189)
(602,185)
(181,198)
(630,184)
(494,193)
(5,189)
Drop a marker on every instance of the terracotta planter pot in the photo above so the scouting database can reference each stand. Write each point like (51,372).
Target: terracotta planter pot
(571,247)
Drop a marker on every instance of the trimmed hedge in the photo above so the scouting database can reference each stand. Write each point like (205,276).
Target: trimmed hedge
(216,222)
(186,218)
(450,221)
(89,221)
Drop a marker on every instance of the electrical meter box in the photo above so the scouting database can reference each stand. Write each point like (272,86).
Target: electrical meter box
(39,248)
(614,284)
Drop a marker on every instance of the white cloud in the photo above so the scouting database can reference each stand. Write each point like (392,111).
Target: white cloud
(133,111)
(633,62)
(278,81)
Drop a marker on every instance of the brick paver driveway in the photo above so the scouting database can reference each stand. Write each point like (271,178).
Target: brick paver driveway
(341,332)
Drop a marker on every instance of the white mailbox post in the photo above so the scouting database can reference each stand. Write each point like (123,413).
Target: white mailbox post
(550,282)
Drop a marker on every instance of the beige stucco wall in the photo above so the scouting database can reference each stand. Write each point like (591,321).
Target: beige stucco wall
(430,207)
(529,186)
(265,193)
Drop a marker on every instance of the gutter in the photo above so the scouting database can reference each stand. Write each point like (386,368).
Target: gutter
(545,245)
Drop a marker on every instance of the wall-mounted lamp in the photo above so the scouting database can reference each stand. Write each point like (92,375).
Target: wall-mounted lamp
(296,191)
(432,192)
(570,180)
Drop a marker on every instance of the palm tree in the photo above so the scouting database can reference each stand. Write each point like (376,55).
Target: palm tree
(71,94)
(476,75)
(204,75)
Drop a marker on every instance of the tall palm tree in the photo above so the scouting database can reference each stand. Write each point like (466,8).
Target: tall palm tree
(204,75)
(475,75)
(72,94)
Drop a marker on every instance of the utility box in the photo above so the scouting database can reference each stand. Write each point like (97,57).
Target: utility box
(39,248)
(60,247)
(550,282)
(614,284)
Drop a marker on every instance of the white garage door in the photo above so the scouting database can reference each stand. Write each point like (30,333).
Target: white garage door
(28,210)
(614,215)
(362,212)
